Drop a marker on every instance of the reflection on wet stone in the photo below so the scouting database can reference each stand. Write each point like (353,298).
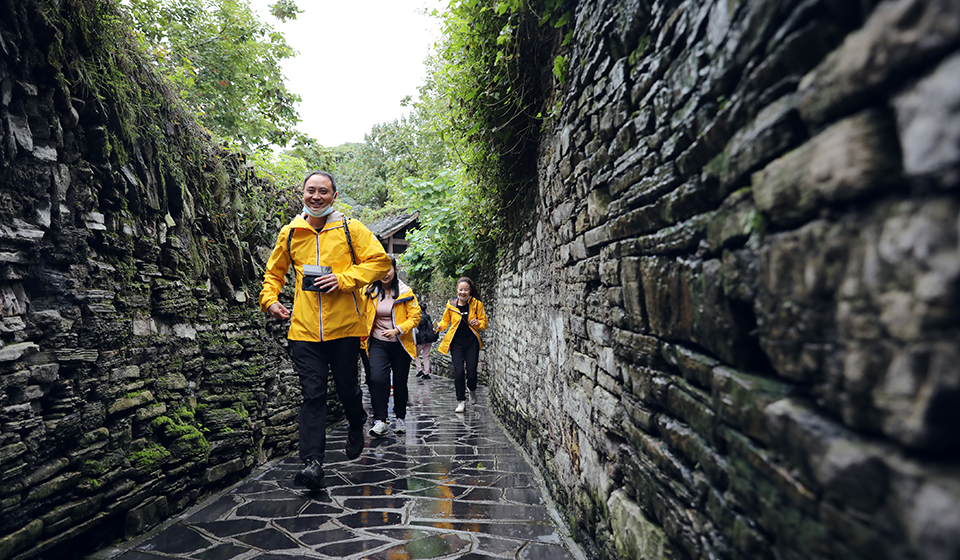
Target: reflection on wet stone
(214,511)
(375,503)
(275,494)
(358,491)
(523,495)
(527,531)
(222,552)
(268,539)
(428,547)
(498,546)
(137,555)
(231,527)
(516,481)
(324,537)
(270,508)
(440,492)
(403,534)
(450,488)
(176,539)
(477,510)
(340,550)
(473,480)
(483,494)
(537,551)
(371,519)
(254,487)
(302,524)
(436,467)
(321,509)
(369,477)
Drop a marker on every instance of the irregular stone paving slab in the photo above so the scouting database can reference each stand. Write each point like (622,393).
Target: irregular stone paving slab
(453,486)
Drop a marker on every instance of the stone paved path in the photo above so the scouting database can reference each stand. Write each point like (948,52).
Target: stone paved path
(453,486)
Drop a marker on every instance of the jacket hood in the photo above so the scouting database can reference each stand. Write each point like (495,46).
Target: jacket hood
(405,292)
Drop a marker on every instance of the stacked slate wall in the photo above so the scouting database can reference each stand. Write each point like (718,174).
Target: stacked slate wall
(136,373)
(731,329)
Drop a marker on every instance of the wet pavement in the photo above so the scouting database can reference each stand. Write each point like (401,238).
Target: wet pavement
(453,486)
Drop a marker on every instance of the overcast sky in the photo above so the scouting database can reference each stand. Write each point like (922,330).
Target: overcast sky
(358,59)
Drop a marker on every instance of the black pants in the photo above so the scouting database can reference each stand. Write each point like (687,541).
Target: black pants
(465,352)
(366,367)
(314,362)
(384,357)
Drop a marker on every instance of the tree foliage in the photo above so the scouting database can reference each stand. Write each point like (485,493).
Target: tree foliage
(450,228)
(485,100)
(226,64)
(376,169)
(492,67)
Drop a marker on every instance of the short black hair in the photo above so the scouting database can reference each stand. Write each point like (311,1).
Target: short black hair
(333,181)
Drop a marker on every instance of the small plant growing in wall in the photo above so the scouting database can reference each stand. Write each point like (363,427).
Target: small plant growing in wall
(183,433)
(150,459)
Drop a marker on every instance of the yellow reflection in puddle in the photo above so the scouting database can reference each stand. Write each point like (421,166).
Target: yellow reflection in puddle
(444,506)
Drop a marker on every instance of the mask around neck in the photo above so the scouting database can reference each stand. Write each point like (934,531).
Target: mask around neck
(326,210)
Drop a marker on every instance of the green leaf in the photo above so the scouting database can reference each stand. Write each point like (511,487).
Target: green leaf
(560,68)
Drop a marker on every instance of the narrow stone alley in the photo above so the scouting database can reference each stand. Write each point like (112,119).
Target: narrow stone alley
(453,486)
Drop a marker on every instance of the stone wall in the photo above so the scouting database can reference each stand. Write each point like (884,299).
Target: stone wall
(732,329)
(136,375)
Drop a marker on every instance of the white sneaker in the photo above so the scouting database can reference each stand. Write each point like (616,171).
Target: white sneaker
(400,428)
(461,406)
(473,397)
(379,429)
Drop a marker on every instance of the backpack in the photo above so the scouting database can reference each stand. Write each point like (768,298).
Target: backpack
(425,332)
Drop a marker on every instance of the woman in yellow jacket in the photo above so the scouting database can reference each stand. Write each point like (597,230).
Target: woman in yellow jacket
(466,318)
(392,313)
(326,323)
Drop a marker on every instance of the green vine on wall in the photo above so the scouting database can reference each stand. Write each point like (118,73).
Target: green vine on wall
(494,71)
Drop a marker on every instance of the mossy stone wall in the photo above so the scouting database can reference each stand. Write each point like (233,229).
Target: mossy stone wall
(731,328)
(137,374)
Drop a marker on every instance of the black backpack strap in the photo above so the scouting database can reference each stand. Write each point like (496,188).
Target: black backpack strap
(346,231)
(289,239)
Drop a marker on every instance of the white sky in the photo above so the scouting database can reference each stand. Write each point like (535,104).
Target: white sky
(357,60)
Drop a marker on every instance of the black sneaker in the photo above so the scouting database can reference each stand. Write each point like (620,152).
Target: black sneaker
(419,373)
(354,442)
(311,476)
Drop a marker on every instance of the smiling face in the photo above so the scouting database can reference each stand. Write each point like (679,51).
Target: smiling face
(318,193)
(463,291)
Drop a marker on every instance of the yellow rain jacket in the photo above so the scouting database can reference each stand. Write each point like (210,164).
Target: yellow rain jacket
(317,316)
(451,318)
(406,316)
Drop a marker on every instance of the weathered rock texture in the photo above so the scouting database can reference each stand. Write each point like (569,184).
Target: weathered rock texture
(136,375)
(732,331)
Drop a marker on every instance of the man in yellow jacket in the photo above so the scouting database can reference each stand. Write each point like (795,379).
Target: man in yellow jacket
(333,258)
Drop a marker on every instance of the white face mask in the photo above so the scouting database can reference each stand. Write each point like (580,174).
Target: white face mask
(326,210)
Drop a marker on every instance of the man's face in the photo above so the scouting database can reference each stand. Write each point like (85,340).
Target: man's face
(318,193)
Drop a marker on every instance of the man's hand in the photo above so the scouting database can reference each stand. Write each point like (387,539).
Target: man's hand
(327,283)
(278,311)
